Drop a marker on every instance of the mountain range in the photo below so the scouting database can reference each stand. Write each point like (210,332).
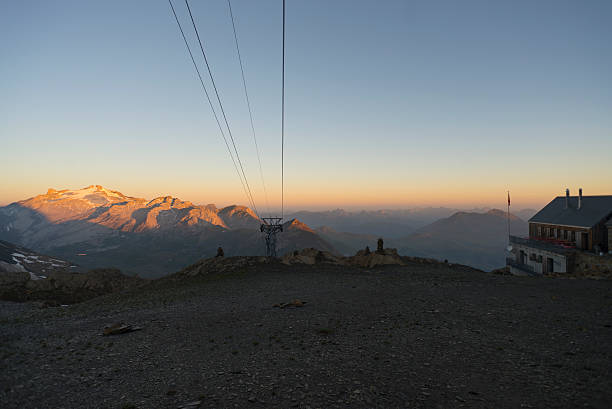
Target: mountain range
(388,223)
(476,239)
(95,227)
(98,227)
(472,238)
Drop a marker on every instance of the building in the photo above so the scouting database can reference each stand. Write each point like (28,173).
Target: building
(567,234)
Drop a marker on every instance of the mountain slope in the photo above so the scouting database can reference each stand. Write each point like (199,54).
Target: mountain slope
(15,258)
(386,223)
(347,243)
(476,239)
(98,227)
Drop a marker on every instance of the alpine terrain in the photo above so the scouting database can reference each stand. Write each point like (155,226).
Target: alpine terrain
(98,227)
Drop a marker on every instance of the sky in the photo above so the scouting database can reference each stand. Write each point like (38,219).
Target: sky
(389,104)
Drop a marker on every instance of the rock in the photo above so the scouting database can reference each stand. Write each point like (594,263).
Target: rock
(363,258)
(309,256)
(312,256)
(294,303)
(11,268)
(378,258)
(119,328)
(190,404)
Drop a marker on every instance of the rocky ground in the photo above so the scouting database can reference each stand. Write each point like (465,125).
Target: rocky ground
(414,335)
(64,287)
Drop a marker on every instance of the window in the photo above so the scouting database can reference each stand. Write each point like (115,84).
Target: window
(564,234)
(539,231)
(551,232)
(573,236)
(532,257)
(558,233)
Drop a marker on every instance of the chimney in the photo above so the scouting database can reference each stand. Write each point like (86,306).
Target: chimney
(579,198)
(567,198)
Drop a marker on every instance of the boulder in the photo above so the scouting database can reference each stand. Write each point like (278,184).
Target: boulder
(312,256)
(382,257)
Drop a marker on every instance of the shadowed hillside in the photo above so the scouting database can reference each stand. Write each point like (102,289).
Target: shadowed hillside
(476,239)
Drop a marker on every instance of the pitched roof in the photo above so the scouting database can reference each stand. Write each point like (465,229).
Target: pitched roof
(594,209)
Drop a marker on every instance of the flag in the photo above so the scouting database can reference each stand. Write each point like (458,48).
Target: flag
(508,198)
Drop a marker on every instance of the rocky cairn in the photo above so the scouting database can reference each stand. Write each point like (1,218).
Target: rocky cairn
(363,258)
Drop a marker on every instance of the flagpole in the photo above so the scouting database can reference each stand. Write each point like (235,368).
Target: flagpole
(508,217)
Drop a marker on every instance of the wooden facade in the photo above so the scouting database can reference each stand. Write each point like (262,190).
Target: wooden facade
(580,237)
(583,238)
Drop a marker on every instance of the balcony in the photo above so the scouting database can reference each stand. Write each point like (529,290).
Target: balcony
(546,245)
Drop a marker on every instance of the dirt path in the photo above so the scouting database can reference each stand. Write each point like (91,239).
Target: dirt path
(414,336)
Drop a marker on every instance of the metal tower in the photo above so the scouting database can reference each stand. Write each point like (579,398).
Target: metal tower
(270,227)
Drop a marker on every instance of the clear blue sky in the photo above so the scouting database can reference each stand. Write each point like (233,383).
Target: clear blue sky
(389,103)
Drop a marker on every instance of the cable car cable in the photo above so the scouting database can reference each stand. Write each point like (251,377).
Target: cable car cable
(229,150)
(221,106)
(246,94)
(283,125)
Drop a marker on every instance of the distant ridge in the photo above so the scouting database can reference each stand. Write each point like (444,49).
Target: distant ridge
(99,227)
(475,239)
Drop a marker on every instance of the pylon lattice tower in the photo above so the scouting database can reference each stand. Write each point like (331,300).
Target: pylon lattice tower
(271,226)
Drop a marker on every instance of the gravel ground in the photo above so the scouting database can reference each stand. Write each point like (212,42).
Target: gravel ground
(410,336)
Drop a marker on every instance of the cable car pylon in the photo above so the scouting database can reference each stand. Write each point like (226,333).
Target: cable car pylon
(271,226)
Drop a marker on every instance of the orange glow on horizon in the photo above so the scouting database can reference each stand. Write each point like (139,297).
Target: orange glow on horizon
(331,196)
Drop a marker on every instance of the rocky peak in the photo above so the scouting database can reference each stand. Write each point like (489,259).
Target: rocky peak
(295,224)
(237,209)
(239,217)
(169,202)
(501,213)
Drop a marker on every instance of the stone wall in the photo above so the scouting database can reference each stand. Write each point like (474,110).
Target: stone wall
(592,264)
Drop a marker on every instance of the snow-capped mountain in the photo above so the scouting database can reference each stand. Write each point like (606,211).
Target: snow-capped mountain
(112,209)
(99,227)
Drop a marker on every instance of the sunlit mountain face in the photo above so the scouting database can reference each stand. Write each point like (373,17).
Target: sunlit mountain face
(113,209)
(99,227)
